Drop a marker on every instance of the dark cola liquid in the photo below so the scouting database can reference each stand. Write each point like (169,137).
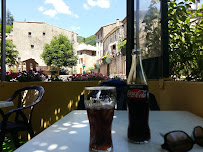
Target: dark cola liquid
(138,113)
(100,121)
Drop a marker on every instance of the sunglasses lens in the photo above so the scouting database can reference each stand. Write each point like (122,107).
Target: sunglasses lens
(198,135)
(179,141)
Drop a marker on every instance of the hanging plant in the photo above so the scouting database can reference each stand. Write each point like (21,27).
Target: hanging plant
(96,65)
(122,46)
(106,60)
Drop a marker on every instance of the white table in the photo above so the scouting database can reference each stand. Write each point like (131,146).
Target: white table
(71,133)
(4,104)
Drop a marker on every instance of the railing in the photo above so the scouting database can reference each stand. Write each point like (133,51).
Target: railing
(62,97)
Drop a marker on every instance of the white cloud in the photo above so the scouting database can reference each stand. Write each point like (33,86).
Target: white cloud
(50,12)
(91,2)
(41,9)
(59,7)
(76,15)
(103,3)
(99,3)
(74,28)
(85,6)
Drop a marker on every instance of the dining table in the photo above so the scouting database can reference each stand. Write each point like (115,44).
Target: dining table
(71,133)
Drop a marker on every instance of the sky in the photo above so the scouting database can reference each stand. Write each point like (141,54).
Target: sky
(84,17)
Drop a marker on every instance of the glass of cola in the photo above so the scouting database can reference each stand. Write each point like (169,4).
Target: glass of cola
(100,103)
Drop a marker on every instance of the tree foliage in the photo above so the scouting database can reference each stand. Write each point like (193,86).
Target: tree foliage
(185,40)
(9,22)
(59,52)
(152,28)
(8,28)
(11,53)
(91,40)
(80,39)
(9,18)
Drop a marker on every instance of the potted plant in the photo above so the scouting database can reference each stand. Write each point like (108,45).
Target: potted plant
(122,46)
(96,65)
(106,60)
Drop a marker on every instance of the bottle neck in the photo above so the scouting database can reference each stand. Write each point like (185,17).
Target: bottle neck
(136,75)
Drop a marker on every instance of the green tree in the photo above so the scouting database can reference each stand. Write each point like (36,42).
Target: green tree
(9,22)
(9,18)
(59,52)
(11,53)
(152,29)
(91,40)
(185,40)
(8,28)
(80,39)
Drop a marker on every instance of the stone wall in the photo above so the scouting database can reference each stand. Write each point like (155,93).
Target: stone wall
(30,37)
(116,67)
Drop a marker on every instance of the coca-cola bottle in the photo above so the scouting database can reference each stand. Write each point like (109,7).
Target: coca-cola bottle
(138,102)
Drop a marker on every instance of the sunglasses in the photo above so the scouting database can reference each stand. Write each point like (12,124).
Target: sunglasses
(179,141)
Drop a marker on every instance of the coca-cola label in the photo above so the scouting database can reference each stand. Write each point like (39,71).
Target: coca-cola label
(137,92)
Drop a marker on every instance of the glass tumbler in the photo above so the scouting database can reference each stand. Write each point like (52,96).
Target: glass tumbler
(100,103)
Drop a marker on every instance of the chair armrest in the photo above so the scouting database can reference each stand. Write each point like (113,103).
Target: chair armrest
(19,110)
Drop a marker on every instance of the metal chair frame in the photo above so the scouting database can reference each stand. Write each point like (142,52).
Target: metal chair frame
(17,125)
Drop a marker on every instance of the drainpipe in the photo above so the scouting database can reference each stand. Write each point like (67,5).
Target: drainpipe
(3,40)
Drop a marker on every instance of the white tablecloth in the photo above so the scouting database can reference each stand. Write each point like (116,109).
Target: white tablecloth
(71,133)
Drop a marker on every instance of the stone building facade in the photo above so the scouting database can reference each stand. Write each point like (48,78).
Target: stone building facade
(86,57)
(30,37)
(111,40)
(109,48)
(100,35)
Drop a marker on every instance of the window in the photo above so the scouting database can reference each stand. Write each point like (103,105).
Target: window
(73,37)
(81,61)
(94,53)
(31,66)
(29,33)
(44,34)
(32,46)
(81,53)
(114,46)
